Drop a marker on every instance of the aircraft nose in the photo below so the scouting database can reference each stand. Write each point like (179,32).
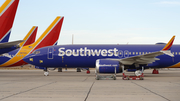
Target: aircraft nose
(28,59)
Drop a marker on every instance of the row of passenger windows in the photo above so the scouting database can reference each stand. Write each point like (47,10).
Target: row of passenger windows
(13,55)
(126,53)
(135,53)
(19,55)
(141,53)
(121,53)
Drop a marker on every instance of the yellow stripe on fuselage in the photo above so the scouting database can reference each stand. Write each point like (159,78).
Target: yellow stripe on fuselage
(175,66)
(5,4)
(27,36)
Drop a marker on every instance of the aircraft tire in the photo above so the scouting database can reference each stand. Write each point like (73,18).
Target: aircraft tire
(46,73)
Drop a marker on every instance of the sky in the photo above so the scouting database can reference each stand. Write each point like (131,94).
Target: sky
(101,21)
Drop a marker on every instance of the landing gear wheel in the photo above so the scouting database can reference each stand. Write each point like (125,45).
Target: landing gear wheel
(141,78)
(46,73)
(97,77)
(59,69)
(114,77)
(78,69)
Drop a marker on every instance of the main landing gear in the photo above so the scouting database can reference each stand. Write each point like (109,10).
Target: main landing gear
(78,69)
(59,69)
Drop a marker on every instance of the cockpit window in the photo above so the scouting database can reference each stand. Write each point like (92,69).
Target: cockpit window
(36,52)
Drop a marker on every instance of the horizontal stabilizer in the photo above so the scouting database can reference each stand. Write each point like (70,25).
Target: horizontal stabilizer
(10,44)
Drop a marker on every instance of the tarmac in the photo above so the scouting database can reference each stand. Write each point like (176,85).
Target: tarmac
(31,85)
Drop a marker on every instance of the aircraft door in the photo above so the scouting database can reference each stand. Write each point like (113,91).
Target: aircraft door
(50,53)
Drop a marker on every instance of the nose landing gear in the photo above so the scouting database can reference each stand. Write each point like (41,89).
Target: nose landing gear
(46,72)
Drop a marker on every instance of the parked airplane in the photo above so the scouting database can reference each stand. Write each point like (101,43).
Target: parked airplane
(48,38)
(7,15)
(105,57)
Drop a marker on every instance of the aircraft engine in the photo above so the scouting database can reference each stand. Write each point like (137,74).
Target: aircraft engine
(108,66)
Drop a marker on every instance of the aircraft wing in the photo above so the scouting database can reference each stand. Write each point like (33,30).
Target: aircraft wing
(149,57)
(10,44)
(144,58)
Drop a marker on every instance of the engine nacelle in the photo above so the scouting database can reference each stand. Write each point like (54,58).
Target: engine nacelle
(107,66)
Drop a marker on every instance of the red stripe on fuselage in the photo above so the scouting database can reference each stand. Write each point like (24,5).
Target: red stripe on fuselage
(19,63)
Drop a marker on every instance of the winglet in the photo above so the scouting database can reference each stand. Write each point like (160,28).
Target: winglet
(169,44)
(166,50)
(7,15)
(30,37)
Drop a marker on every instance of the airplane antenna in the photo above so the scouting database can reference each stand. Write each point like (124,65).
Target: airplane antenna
(72,38)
